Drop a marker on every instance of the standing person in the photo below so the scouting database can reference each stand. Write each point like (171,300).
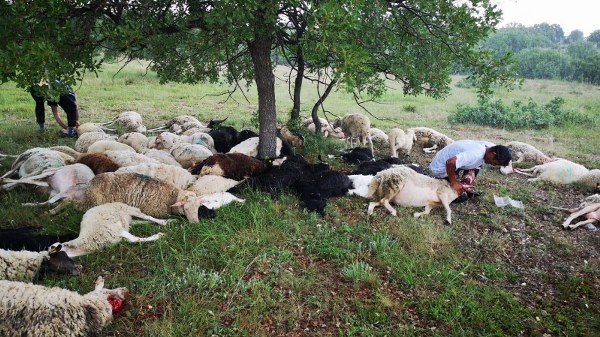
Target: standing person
(66,101)
(466,157)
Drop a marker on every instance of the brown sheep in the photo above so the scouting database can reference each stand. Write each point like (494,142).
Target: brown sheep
(234,166)
(98,162)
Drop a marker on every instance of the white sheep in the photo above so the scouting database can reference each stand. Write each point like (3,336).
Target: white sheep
(400,140)
(202,138)
(378,136)
(126,158)
(249,147)
(360,184)
(187,154)
(105,225)
(131,120)
(588,208)
(209,184)
(405,187)
(166,140)
(161,156)
(430,139)
(523,152)
(104,145)
(138,141)
(33,162)
(67,181)
(177,176)
(68,151)
(191,131)
(591,179)
(355,125)
(85,140)
(92,127)
(30,310)
(154,197)
(26,266)
(560,171)
(219,199)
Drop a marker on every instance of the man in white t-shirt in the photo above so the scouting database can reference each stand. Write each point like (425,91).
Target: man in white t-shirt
(467,156)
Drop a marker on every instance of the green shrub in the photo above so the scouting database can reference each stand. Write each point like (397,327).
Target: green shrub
(410,108)
(521,115)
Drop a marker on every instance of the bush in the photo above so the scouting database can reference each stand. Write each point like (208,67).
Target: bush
(520,115)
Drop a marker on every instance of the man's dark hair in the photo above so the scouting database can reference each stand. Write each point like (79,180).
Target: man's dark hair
(503,154)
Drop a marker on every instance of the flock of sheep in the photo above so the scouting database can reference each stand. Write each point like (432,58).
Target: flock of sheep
(188,169)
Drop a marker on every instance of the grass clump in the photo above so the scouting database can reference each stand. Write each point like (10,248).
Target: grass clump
(520,115)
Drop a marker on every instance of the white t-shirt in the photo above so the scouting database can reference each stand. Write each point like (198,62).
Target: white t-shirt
(469,155)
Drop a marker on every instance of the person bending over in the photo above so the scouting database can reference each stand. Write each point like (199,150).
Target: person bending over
(66,101)
(464,158)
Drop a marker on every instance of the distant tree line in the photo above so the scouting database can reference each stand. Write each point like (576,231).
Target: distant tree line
(544,52)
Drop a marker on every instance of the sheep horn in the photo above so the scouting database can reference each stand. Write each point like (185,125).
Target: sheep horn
(214,123)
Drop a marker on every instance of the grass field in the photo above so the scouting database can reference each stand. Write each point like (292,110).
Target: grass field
(266,268)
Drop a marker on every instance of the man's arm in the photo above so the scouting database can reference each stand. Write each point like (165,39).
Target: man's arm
(451,171)
(57,116)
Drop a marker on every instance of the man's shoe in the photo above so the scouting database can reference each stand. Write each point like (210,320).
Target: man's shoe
(69,132)
(42,128)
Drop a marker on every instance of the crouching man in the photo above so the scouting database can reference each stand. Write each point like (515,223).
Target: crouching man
(463,159)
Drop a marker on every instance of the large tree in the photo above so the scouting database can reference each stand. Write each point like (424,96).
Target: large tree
(358,42)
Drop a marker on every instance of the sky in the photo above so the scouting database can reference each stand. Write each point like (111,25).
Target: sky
(569,14)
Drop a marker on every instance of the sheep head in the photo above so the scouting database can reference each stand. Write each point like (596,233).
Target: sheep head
(187,204)
(59,262)
(114,297)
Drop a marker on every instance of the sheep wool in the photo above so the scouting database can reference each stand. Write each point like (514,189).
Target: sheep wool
(20,265)
(152,196)
(590,179)
(102,146)
(138,141)
(85,140)
(427,137)
(177,176)
(523,152)
(29,310)
(209,184)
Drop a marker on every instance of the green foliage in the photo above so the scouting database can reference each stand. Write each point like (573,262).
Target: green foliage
(543,63)
(410,108)
(360,272)
(519,115)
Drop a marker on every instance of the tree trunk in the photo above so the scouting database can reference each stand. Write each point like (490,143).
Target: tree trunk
(315,109)
(260,51)
(295,116)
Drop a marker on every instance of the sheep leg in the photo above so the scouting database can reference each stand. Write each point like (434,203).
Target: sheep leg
(581,223)
(60,207)
(52,200)
(570,210)
(430,149)
(523,172)
(371,146)
(446,205)
(138,214)
(134,239)
(388,206)
(585,210)
(372,206)
(428,209)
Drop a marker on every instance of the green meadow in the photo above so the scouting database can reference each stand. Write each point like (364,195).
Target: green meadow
(268,268)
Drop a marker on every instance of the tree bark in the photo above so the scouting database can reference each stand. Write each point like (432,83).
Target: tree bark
(315,109)
(260,52)
(295,115)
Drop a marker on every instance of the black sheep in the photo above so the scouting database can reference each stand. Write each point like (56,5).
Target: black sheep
(357,155)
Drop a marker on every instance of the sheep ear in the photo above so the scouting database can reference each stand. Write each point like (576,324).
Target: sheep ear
(179,203)
(55,248)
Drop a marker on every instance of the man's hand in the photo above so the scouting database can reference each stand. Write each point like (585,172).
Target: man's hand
(458,187)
